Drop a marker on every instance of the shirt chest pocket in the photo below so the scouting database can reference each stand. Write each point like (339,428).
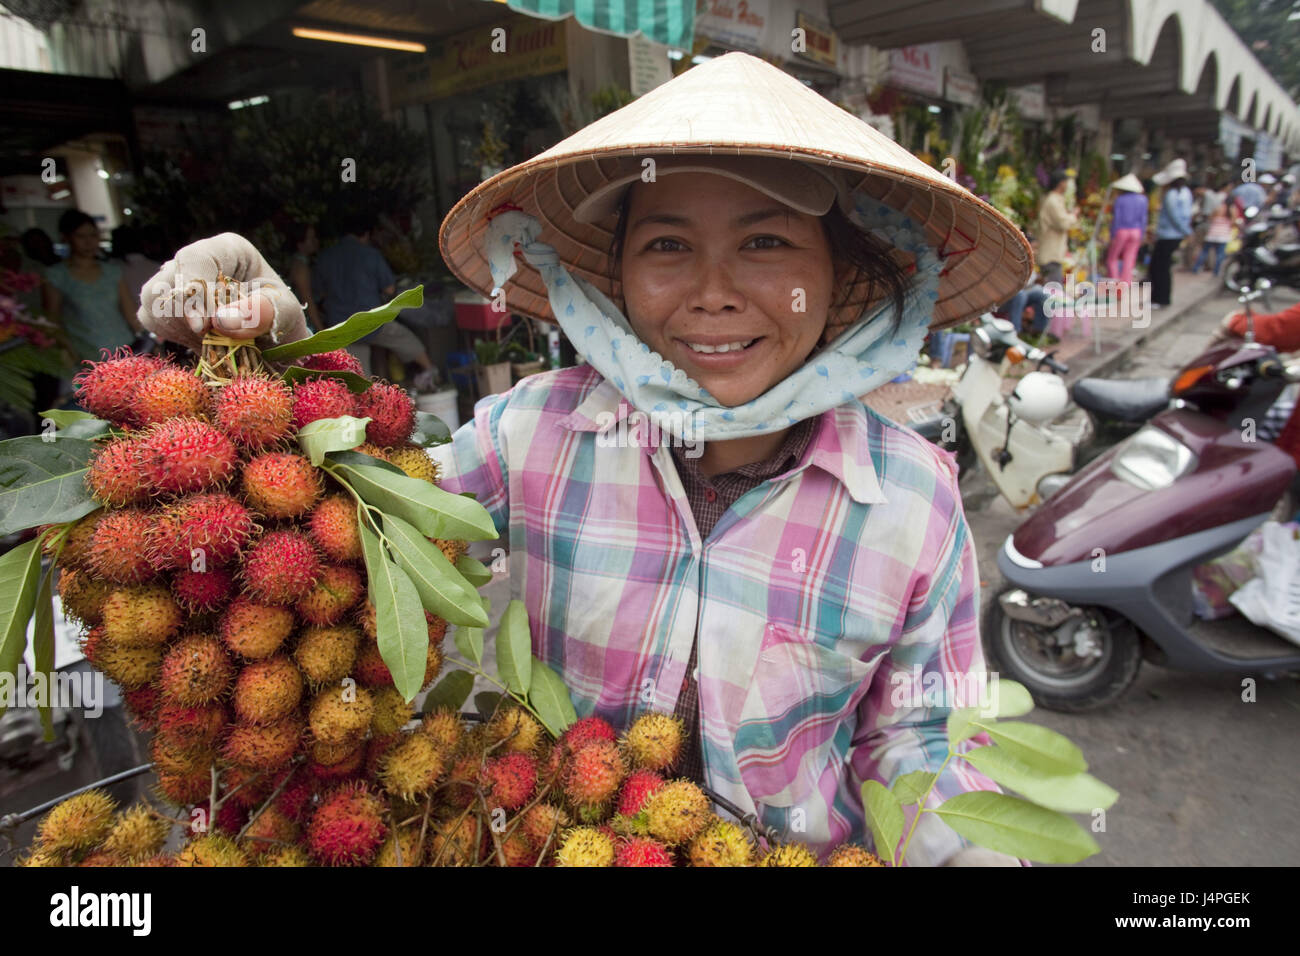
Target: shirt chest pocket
(799,695)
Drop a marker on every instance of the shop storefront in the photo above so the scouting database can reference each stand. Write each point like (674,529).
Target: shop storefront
(794,35)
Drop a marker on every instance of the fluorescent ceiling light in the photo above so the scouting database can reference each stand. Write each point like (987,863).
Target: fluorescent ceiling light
(251,101)
(675,54)
(387,43)
(935,109)
(103,173)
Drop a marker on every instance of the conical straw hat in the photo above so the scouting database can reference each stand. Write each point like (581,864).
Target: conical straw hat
(735,105)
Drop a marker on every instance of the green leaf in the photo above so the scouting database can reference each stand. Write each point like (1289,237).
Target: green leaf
(1042,749)
(475,572)
(450,692)
(486,702)
(1017,827)
(43,647)
(515,649)
(884,816)
(1068,793)
(399,618)
(430,430)
(469,641)
(20,571)
(355,383)
(434,512)
(350,330)
(911,787)
(43,482)
(361,458)
(93,428)
(1008,698)
(441,588)
(961,724)
(63,417)
(550,698)
(331,434)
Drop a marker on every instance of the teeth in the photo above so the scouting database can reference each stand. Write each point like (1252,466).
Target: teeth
(728,347)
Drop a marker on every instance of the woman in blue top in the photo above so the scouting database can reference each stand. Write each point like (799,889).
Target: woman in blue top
(1173,226)
(86,296)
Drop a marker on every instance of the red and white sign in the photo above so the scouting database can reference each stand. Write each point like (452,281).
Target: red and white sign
(737,24)
(916,68)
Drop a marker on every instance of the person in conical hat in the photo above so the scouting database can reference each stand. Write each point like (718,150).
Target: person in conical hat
(703,518)
(1128,225)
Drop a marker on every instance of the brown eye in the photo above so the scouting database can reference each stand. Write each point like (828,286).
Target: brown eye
(776,239)
(654,243)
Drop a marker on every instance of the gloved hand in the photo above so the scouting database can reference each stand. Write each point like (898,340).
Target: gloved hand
(177,304)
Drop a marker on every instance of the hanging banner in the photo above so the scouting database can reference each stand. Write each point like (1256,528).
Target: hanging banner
(735,24)
(915,68)
(961,87)
(820,42)
(1030,100)
(468,61)
(648,65)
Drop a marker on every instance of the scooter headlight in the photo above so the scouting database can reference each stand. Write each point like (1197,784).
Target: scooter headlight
(1152,459)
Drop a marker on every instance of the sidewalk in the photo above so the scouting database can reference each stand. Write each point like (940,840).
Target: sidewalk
(1118,339)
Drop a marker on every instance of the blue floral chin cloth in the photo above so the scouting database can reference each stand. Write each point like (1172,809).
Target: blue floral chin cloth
(858,360)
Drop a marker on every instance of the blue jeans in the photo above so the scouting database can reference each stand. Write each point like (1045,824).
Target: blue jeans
(1033,297)
(1218,248)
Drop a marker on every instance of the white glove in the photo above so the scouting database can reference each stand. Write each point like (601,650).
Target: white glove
(177,303)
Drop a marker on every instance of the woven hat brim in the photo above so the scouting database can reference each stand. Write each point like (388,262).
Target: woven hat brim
(738,105)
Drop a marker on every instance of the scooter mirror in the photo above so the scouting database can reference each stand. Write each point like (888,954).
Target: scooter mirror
(1252,212)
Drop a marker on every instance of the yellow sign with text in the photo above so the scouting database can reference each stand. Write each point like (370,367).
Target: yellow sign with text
(513,48)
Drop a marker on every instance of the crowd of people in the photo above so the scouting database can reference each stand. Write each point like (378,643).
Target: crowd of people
(1169,220)
(90,296)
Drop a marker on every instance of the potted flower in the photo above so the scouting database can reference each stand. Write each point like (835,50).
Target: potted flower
(522,361)
(492,370)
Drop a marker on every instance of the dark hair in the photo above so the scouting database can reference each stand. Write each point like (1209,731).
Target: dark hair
(126,239)
(72,220)
(1056,179)
(851,249)
(295,231)
(358,222)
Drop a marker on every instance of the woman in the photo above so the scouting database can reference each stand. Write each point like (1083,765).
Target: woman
(706,519)
(1128,224)
(1173,226)
(1218,231)
(86,296)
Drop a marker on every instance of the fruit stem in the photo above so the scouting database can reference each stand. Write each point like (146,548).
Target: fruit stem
(920,806)
(262,809)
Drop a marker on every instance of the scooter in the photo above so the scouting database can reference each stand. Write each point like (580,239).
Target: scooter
(1259,259)
(1100,577)
(1025,456)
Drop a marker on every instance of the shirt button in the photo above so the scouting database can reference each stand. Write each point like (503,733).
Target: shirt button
(710,495)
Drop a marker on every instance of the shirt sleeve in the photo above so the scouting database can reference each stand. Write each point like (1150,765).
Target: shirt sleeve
(383,274)
(902,720)
(474,460)
(1280,330)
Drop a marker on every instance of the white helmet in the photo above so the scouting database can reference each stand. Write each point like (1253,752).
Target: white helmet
(1039,397)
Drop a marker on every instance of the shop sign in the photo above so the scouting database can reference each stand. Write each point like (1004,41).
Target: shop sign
(735,24)
(821,44)
(648,64)
(1030,100)
(916,68)
(961,87)
(481,57)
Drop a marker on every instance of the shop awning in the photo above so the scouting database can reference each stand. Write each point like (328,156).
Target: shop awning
(671,22)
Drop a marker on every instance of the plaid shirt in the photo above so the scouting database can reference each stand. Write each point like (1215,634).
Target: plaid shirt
(709,499)
(825,599)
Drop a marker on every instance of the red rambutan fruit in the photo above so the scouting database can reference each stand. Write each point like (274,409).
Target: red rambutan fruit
(203,530)
(338,360)
(267,690)
(510,780)
(636,791)
(197,726)
(348,827)
(106,388)
(335,592)
(256,411)
(170,392)
(391,413)
(584,730)
(642,851)
(203,590)
(182,455)
(264,746)
(593,774)
(196,670)
(319,398)
(281,567)
(117,548)
(282,485)
(333,526)
(144,704)
(113,475)
(253,630)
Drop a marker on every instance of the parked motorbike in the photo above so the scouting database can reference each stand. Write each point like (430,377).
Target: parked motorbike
(1100,577)
(1258,258)
(1026,457)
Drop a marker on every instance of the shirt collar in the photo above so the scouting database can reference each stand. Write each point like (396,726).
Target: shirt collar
(840,446)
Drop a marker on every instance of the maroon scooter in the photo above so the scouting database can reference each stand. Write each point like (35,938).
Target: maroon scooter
(1100,576)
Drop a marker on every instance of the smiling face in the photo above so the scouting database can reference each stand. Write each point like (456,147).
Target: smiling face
(709,262)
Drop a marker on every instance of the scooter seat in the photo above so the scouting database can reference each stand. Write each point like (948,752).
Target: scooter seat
(1287,251)
(1126,400)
